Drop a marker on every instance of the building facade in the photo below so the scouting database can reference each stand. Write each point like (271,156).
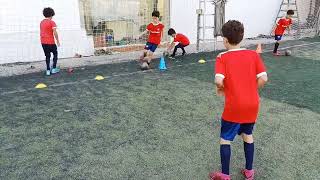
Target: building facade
(86,25)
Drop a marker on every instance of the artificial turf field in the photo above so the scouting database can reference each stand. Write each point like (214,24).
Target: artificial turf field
(157,125)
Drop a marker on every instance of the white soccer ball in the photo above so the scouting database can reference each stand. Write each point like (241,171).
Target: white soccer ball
(144,66)
(287,53)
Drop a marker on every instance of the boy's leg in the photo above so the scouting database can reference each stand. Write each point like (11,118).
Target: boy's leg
(152,49)
(176,48)
(47,53)
(228,132)
(276,45)
(55,56)
(175,51)
(145,52)
(149,57)
(248,145)
(225,155)
(183,51)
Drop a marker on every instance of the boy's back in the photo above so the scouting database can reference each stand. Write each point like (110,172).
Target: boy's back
(240,69)
(239,74)
(46,31)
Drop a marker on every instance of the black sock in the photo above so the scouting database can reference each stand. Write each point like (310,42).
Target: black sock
(249,153)
(276,45)
(225,154)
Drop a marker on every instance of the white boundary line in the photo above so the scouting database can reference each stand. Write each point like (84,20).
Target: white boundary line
(141,72)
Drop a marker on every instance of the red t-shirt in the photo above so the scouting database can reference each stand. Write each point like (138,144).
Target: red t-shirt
(240,69)
(282,25)
(46,31)
(181,39)
(155,33)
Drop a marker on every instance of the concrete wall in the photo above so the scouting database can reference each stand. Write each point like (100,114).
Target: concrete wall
(257,16)
(19,30)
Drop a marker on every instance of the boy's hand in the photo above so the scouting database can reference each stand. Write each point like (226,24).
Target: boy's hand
(220,91)
(219,85)
(58,43)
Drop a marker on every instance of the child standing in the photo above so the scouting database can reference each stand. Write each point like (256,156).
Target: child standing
(179,38)
(155,30)
(48,34)
(239,74)
(283,24)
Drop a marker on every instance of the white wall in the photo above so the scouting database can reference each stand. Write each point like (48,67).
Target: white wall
(19,30)
(183,17)
(257,16)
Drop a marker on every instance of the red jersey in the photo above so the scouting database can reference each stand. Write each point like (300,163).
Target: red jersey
(282,25)
(182,39)
(155,33)
(240,69)
(46,31)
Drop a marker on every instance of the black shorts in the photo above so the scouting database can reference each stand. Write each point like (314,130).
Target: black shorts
(49,48)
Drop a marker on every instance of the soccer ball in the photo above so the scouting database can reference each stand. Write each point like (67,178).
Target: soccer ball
(287,53)
(144,66)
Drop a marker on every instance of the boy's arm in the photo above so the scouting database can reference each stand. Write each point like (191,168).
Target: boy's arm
(56,36)
(262,76)
(273,30)
(262,80)
(219,85)
(144,32)
(171,45)
(219,75)
(289,29)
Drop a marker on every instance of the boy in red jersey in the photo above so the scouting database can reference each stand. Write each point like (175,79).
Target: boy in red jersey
(239,74)
(48,34)
(283,24)
(179,38)
(155,30)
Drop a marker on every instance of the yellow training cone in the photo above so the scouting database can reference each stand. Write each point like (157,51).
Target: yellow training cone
(99,78)
(41,86)
(202,61)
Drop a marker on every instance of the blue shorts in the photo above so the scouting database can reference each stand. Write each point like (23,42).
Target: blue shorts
(229,130)
(151,47)
(278,37)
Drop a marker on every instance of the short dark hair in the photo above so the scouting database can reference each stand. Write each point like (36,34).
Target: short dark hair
(290,12)
(48,12)
(156,14)
(171,31)
(233,30)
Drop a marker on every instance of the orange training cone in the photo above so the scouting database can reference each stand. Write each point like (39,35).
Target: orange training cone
(259,48)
